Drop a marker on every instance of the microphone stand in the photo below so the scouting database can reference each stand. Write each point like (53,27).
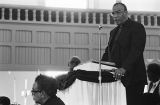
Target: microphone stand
(100,75)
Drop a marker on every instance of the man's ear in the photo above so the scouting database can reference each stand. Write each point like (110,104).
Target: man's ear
(43,94)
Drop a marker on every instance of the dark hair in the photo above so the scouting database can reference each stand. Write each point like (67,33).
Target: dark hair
(75,60)
(154,68)
(4,100)
(125,8)
(47,84)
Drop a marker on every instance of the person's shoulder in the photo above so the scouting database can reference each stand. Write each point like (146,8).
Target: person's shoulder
(135,23)
(61,77)
(114,29)
(57,101)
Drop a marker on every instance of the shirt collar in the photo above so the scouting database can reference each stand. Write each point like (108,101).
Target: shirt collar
(156,83)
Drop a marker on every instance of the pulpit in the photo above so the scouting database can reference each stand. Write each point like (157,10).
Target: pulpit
(85,88)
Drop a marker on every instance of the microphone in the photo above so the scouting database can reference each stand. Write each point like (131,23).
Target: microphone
(100,27)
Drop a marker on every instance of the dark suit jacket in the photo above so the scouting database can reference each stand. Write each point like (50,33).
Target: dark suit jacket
(54,101)
(127,52)
(151,98)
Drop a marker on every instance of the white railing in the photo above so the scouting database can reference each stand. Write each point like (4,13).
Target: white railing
(9,13)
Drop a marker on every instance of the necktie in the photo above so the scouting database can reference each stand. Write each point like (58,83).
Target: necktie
(150,86)
(118,32)
(113,41)
(115,37)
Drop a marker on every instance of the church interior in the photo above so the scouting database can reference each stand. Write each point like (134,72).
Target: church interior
(37,39)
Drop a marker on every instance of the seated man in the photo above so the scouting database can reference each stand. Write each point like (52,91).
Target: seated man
(74,61)
(44,91)
(152,97)
(4,100)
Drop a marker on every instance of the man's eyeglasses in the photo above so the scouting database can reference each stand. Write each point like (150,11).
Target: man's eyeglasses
(35,91)
(117,13)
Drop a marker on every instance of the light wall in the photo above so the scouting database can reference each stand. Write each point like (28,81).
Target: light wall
(24,2)
(132,5)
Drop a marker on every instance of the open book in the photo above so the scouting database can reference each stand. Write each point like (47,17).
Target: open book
(94,66)
(104,63)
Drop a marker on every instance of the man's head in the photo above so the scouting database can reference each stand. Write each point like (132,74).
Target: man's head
(153,71)
(119,13)
(43,88)
(74,61)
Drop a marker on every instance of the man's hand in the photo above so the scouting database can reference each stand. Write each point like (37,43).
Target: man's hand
(118,73)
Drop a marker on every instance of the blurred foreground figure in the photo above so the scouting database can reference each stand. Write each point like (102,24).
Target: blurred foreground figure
(4,100)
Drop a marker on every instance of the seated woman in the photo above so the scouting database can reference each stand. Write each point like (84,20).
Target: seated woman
(62,79)
(152,97)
